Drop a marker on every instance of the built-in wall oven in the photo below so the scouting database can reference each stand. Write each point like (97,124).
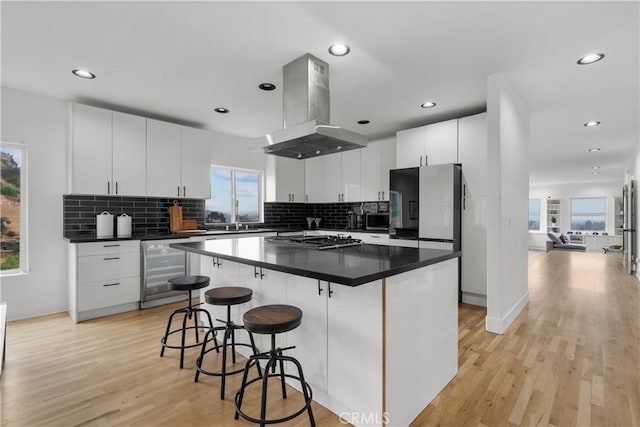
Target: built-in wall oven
(159,264)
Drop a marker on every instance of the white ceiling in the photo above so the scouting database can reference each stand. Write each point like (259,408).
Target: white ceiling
(178,60)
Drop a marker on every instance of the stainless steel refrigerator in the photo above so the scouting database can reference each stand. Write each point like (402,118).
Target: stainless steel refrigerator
(425,205)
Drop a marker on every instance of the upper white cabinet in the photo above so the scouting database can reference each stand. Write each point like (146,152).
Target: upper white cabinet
(375,162)
(178,161)
(195,162)
(333,177)
(107,151)
(428,145)
(285,179)
(163,159)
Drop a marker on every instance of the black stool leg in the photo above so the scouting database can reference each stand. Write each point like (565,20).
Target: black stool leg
(245,374)
(255,351)
(203,350)
(184,336)
(284,389)
(304,388)
(166,334)
(223,377)
(263,401)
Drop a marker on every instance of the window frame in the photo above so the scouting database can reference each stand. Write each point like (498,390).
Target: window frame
(539,215)
(590,214)
(234,198)
(23,267)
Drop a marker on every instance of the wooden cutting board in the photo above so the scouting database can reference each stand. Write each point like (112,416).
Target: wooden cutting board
(175,217)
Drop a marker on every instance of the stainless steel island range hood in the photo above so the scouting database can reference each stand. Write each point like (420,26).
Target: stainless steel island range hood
(307,132)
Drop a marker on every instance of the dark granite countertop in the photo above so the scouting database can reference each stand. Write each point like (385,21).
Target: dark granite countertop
(90,238)
(352,266)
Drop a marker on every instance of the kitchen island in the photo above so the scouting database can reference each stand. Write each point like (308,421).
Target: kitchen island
(378,339)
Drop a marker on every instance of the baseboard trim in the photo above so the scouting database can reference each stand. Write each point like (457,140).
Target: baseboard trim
(499,326)
(474,299)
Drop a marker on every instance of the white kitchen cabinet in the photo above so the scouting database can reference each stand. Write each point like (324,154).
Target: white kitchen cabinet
(285,179)
(129,155)
(596,243)
(178,161)
(195,163)
(433,144)
(410,147)
(163,159)
(333,178)
(376,161)
(472,143)
(107,152)
(337,346)
(104,278)
(314,179)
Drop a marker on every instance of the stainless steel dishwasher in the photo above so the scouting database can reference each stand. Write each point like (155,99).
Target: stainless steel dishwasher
(159,264)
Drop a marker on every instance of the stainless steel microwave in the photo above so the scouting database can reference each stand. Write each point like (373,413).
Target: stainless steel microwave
(376,221)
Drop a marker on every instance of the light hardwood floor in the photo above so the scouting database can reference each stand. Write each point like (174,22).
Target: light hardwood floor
(571,358)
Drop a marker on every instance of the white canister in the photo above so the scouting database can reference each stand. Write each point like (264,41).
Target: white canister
(104,225)
(124,225)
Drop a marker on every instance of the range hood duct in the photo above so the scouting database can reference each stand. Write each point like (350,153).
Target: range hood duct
(307,132)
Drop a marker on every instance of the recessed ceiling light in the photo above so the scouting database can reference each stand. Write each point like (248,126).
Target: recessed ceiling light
(591,124)
(428,104)
(593,150)
(267,86)
(595,167)
(318,152)
(84,74)
(339,49)
(595,173)
(221,110)
(590,59)
(363,122)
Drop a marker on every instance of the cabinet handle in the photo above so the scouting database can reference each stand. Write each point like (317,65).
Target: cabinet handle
(110,246)
(293,197)
(306,197)
(184,191)
(256,274)
(425,160)
(216,262)
(383,195)
(330,291)
(464,197)
(178,187)
(420,160)
(108,187)
(111,284)
(116,187)
(319,289)
(375,237)
(261,273)
(112,258)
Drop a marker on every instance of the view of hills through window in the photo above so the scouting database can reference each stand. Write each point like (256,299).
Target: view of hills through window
(589,214)
(228,185)
(10,163)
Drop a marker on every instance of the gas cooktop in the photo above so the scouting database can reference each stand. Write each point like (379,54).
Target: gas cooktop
(316,242)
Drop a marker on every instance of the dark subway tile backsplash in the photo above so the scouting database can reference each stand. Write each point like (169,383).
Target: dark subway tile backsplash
(332,215)
(149,215)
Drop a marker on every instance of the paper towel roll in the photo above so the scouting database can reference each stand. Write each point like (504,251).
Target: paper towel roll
(104,225)
(124,225)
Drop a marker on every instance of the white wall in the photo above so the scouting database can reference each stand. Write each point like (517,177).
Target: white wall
(507,206)
(40,123)
(233,151)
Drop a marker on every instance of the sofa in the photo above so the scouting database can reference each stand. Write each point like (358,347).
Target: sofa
(562,242)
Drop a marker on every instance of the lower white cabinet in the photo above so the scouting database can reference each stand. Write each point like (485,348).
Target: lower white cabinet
(596,243)
(104,278)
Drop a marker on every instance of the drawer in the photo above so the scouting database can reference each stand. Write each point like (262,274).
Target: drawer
(107,293)
(375,238)
(108,248)
(108,267)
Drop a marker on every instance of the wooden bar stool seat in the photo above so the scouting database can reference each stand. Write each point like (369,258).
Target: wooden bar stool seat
(225,296)
(272,320)
(186,283)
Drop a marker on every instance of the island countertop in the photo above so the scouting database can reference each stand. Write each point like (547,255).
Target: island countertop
(351,266)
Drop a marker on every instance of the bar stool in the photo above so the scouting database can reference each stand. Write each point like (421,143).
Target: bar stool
(272,320)
(227,296)
(186,283)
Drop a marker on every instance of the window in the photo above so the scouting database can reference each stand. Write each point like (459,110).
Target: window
(534,214)
(589,213)
(236,196)
(13,199)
